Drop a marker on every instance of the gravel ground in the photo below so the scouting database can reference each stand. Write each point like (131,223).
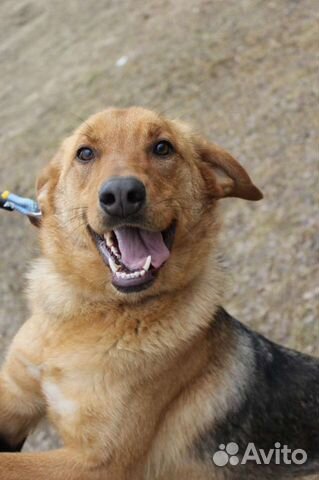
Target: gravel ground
(244,72)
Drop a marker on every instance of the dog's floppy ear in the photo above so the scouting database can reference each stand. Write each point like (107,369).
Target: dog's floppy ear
(45,186)
(224,175)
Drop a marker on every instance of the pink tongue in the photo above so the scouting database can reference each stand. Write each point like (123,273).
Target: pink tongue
(136,245)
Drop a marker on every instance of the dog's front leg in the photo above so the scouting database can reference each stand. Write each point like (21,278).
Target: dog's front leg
(53,465)
(21,401)
(20,412)
(62,464)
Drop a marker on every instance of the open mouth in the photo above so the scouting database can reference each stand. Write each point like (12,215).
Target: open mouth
(134,255)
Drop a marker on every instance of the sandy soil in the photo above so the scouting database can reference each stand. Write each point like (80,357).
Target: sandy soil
(245,72)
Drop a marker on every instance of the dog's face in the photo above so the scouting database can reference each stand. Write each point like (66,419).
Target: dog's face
(128,202)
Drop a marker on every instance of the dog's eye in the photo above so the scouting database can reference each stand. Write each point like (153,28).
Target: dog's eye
(85,154)
(163,148)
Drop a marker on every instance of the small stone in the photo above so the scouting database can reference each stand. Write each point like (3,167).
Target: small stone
(122,61)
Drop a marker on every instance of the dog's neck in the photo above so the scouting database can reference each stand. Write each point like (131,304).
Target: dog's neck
(183,313)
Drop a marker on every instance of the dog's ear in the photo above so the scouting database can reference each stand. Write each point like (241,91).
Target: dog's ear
(45,186)
(224,176)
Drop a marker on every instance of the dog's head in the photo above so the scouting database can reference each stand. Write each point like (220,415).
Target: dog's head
(128,202)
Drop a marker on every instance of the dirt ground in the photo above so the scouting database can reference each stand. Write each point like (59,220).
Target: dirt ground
(245,72)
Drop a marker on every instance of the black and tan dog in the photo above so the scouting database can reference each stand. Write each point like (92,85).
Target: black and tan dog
(128,349)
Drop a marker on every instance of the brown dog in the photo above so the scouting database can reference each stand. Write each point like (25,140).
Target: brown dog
(127,350)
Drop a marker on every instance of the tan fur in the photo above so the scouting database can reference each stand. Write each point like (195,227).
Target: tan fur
(123,377)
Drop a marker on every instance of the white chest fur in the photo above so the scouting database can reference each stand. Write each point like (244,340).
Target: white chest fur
(57,400)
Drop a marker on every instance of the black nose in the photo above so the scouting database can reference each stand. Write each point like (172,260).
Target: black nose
(122,196)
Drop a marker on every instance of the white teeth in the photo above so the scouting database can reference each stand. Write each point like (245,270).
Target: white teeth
(147,263)
(125,275)
(108,238)
(115,251)
(113,265)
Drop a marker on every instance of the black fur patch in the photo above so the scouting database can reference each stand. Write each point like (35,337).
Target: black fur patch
(280,403)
